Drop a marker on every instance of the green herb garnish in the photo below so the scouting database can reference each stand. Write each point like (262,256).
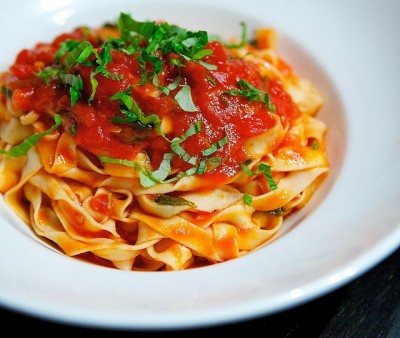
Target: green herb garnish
(77,53)
(277,212)
(134,114)
(76,86)
(242,42)
(184,99)
(264,169)
(23,148)
(7,92)
(145,180)
(176,147)
(249,92)
(215,146)
(211,80)
(102,60)
(247,199)
(175,201)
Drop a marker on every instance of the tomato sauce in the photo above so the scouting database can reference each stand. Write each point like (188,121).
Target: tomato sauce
(221,114)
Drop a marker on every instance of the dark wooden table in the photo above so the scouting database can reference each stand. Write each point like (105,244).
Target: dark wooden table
(367,307)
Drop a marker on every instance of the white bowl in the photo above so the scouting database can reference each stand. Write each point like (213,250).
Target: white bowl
(350,51)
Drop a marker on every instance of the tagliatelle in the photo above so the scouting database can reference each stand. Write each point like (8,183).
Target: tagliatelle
(145,146)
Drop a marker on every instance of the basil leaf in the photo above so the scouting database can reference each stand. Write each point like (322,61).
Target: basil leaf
(201,54)
(243,40)
(146,179)
(66,47)
(264,169)
(112,160)
(215,146)
(176,147)
(208,66)
(277,212)
(23,148)
(47,73)
(202,168)
(78,55)
(175,201)
(126,25)
(249,92)
(211,80)
(76,86)
(129,107)
(182,153)
(165,167)
(177,62)
(94,83)
(247,199)
(184,99)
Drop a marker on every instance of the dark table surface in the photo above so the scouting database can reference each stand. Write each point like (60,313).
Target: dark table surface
(369,306)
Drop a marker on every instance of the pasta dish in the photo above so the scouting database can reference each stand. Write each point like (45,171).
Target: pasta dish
(141,145)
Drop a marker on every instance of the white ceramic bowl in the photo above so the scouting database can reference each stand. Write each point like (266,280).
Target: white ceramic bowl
(350,50)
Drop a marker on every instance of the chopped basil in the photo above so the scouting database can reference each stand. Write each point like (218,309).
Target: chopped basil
(65,47)
(112,160)
(207,164)
(242,42)
(247,199)
(165,167)
(277,212)
(102,60)
(164,37)
(215,146)
(208,66)
(148,43)
(177,62)
(176,147)
(73,129)
(264,169)
(135,115)
(145,180)
(175,201)
(154,60)
(174,84)
(182,153)
(249,92)
(47,73)
(202,168)
(7,92)
(166,90)
(184,99)
(76,86)
(214,161)
(23,148)
(78,55)
(127,25)
(314,145)
(199,55)
(211,80)
(150,178)
(76,52)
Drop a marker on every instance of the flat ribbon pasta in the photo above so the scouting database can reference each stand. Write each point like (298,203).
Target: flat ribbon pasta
(164,154)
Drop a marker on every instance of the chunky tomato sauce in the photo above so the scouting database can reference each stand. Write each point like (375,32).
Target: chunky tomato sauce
(220,114)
